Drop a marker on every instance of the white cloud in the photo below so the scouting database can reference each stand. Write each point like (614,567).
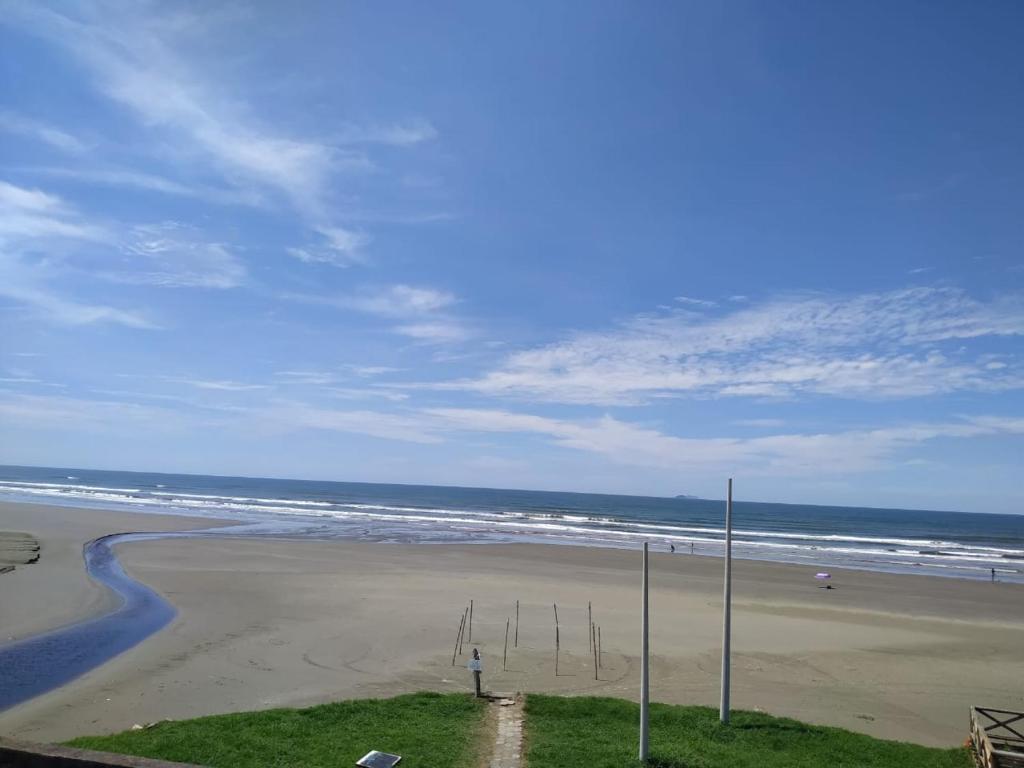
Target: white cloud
(881,345)
(365,393)
(60,310)
(58,412)
(31,213)
(760,423)
(402,301)
(147,62)
(339,247)
(826,454)
(405,134)
(372,370)
(35,129)
(442,332)
(628,444)
(695,302)
(389,426)
(33,220)
(173,256)
(120,177)
(132,55)
(423,310)
(222,385)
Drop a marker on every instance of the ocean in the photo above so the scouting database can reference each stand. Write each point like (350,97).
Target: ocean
(953,544)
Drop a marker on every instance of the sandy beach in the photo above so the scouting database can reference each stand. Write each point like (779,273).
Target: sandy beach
(274,622)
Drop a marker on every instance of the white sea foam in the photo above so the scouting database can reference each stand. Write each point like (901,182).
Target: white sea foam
(562,525)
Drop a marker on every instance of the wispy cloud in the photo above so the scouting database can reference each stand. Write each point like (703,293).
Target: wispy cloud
(59,412)
(389,426)
(133,59)
(60,310)
(904,343)
(436,332)
(834,454)
(760,423)
(401,301)
(33,220)
(20,125)
(423,311)
(404,134)
(695,302)
(33,214)
(137,58)
(337,246)
(174,256)
(221,385)
(121,177)
(837,453)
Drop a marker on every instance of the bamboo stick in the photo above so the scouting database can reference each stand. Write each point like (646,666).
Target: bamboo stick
(465,615)
(458,637)
(516,644)
(504,658)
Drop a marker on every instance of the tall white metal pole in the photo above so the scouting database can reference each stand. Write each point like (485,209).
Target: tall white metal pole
(723,713)
(644,667)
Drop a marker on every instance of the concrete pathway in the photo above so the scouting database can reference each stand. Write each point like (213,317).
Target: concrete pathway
(508,745)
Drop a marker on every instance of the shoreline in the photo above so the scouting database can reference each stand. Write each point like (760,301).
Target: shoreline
(266,622)
(914,542)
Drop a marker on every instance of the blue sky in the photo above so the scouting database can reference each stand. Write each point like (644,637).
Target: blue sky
(624,247)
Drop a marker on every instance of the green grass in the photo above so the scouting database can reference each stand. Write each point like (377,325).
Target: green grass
(434,730)
(603,733)
(429,730)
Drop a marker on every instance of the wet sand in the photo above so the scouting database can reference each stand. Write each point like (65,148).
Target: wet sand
(55,590)
(266,623)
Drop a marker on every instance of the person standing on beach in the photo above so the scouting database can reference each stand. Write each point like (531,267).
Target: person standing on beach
(476,667)
(672,548)
(993,575)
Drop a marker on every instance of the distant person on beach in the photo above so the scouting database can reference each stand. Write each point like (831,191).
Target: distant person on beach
(993,575)
(691,547)
(672,548)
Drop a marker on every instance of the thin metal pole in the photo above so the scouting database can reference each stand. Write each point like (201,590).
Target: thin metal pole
(470,621)
(593,643)
(600,653)
(723,712)
(644,667)
(590,624)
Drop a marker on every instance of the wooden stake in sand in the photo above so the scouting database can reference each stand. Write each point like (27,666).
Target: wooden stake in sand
(504,658)
(516,644)
(558,642)
(465,615)
(458,638)
(593,642)
(600,653)
(470,621)
(590,626)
